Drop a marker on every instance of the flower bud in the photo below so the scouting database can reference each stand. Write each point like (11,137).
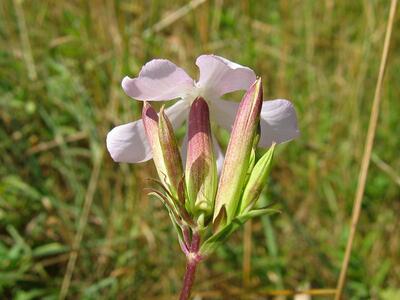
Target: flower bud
(201,169)
(170,155)
(150,121)
(236,164)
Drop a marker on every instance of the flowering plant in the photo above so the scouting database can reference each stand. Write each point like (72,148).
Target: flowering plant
(204,209)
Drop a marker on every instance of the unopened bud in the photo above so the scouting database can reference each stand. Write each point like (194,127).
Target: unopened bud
(150,121)
(236,164)
(170,154)
(201,169)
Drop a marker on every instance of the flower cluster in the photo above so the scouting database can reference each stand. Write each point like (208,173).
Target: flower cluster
(162,80)
(205,207)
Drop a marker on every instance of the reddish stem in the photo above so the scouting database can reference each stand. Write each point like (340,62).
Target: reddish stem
(188,279)
(193,258)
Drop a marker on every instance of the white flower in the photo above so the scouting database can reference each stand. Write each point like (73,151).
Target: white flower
(161,80)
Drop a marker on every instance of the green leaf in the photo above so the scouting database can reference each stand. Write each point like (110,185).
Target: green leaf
(221,236)
(257,213)
(218,238)
(49,249)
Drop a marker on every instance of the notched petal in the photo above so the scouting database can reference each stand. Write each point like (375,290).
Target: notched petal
(158,80)
(222,75)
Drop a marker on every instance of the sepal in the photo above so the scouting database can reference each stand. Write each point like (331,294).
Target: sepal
(257,180)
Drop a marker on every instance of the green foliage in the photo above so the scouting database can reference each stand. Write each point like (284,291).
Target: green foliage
(221,236)
(322,55)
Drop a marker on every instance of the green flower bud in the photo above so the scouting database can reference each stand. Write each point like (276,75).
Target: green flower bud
(236,164)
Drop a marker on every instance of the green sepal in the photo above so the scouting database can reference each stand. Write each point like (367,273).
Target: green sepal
(252,162)
(175,219)
(257,180)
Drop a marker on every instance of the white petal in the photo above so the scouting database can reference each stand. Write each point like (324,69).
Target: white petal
(278,119)
(224,112)
(219,155)
(178,113)
(220,76)
(278,122)
(158,80)
(128,142)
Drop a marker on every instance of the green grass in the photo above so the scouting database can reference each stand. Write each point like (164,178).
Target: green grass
(56,109)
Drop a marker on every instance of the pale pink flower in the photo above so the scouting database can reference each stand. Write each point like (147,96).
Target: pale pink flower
(162,80)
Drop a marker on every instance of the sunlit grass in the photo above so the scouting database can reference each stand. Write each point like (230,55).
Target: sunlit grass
(322,55)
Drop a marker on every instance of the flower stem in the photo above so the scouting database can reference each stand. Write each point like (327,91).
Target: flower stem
(193,259)
(188,280)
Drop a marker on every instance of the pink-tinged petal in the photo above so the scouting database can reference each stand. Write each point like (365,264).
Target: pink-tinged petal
(158,80)
(178,113)
(220,76)
(128,143)
(224,112)
(278,122)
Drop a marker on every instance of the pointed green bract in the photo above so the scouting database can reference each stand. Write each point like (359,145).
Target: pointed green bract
(257,180)
(221,236)
(236,164)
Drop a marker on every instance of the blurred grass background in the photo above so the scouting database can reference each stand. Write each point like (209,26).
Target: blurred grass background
(61,64)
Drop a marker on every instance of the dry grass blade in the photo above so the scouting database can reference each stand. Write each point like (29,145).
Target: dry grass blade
(311,292)
(57,142)
(386,168)
(373,121)
(237,292)
(174,16)
(81,225)
(26,45)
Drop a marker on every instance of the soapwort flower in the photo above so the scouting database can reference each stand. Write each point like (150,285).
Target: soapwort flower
(206,210)
(162,80)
